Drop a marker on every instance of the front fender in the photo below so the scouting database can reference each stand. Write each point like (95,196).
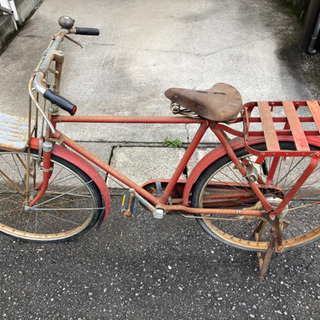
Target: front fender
(85,167)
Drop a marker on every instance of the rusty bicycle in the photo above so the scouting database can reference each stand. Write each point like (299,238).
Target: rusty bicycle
(259,190)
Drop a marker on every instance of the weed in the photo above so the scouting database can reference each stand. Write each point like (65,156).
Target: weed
(172,143)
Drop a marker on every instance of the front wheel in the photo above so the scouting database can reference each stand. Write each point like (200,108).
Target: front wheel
(70,206)
(222,186)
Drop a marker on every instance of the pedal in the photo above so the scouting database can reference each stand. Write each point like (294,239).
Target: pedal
(129,204)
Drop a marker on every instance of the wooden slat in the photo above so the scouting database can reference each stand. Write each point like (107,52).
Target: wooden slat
(268,126)
(296,127)
(315,111)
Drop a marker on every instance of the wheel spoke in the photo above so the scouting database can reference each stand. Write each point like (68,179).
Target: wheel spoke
(61,195)
(70,205)
(302,213)
(7,178)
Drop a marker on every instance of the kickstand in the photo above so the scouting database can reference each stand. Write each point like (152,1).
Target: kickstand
(275,244)
(264,259)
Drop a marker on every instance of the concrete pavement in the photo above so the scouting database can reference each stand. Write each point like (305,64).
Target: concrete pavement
(145,48)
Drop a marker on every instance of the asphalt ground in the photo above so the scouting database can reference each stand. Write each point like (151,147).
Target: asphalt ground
(142,268)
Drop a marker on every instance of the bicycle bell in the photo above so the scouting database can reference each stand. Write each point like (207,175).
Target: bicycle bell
(66,22)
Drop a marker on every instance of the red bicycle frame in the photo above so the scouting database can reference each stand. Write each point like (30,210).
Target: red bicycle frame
(292,130)
(256,154)
(159,202)
(227,147)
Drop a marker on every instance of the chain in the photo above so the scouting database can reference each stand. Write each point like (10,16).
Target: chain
(215,218)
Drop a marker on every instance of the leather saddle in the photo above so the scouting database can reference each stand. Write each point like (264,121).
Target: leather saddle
(221,103)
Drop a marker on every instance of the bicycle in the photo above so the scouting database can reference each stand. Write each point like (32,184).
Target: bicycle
(256,191)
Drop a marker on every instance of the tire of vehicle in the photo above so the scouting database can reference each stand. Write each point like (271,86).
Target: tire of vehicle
(301,216)
(69,208)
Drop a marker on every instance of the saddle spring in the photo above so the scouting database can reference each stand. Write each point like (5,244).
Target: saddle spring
(177,109)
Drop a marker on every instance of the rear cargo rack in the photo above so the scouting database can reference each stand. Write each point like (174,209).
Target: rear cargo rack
(273,120)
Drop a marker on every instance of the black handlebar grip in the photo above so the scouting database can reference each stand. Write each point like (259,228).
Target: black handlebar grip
(60,102)
(87,31)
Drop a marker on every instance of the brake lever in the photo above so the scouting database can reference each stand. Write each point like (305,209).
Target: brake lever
(74,41)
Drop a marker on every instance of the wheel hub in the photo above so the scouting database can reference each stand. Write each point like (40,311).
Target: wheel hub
(275,202)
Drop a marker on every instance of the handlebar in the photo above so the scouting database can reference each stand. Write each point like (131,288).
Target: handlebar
(52,53)
(60,102)
(87,31)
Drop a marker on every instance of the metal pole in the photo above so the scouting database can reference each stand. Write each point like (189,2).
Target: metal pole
(314,37)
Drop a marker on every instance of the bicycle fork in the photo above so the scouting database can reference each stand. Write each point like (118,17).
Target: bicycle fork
(47,169)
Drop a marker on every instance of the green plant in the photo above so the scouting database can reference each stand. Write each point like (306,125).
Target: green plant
(172,143)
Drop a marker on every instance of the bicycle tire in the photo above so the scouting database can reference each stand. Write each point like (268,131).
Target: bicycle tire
(301,215)
(70,206)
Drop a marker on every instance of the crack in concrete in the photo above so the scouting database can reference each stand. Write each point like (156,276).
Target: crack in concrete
(103,44)
(133,144)
(188,133)
(201,80)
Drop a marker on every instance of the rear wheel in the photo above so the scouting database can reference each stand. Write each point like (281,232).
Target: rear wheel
(70,206)
(222,186)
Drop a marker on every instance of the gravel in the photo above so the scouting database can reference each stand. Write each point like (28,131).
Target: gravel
(141,268)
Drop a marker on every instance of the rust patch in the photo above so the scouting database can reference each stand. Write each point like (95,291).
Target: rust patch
(14,132)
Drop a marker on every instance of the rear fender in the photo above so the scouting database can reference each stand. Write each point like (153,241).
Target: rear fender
(204,163)
(85,167)
(215,154)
